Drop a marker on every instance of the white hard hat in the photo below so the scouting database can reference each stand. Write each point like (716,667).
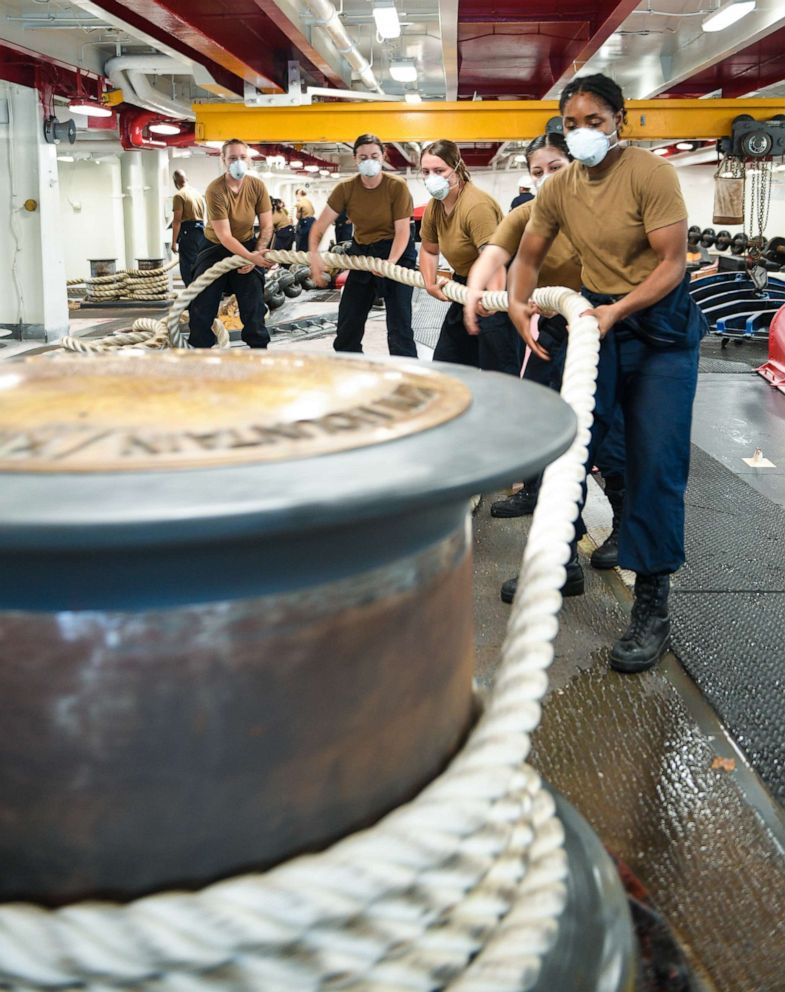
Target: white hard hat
(525,180)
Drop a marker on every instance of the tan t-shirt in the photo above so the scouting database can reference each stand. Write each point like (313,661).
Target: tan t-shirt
(462,233)
(280,219)
(190,201)
(562,266)
(304,208)
(607,219)
(372,211)
(240,209)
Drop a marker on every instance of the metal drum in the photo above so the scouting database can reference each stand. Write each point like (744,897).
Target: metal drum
(102,266)
(236,615)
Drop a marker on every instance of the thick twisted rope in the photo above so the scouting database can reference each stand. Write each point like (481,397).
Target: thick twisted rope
(460,889)
(167,333)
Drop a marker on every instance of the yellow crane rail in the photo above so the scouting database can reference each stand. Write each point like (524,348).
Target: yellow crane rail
(464,120)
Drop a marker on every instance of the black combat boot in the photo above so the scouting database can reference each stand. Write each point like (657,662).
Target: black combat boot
(647,638)
(573,584)
(520,504)
(607,555)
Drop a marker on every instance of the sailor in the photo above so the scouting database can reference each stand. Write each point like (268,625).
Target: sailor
(187,223)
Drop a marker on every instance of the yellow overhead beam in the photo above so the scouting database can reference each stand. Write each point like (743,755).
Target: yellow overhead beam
(465,120)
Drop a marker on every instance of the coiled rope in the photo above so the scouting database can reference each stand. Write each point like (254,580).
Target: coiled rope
(459,890)
(141,284)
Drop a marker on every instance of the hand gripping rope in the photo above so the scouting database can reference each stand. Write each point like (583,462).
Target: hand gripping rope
(460,889)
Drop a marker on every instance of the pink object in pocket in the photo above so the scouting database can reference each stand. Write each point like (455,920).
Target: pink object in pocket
(534,325)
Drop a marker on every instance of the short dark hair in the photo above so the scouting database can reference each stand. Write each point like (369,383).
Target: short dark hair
(232,141)
(368,139)
(599,85)
(551,139)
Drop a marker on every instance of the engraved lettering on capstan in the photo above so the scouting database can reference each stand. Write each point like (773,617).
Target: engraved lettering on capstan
(63,441)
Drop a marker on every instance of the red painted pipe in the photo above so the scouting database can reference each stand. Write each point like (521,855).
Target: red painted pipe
(134,122)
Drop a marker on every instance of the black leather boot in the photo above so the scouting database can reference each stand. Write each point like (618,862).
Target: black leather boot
(607,554)
(647,638)
(573,584)
(520,504)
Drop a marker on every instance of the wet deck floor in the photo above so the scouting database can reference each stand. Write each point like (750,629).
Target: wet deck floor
(636,755)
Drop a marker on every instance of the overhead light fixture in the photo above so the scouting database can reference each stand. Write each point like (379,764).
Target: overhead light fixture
(324,172)
(311,168)
(386,17)
(297,164)
(164,129)
(65,158)
(254,153)
(403,70)
(728,14)
(685,146)
(661,151)
(90,108)
(413,98)
(519,158)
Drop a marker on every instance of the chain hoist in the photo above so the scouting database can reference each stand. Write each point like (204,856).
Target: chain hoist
(758,174)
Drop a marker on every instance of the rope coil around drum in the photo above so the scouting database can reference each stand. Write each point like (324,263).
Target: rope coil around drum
(459,890)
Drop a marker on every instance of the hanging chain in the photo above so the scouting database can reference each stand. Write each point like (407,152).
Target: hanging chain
(759,178)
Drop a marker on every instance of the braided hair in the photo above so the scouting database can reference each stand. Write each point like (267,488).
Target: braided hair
(599,85)
(551,139)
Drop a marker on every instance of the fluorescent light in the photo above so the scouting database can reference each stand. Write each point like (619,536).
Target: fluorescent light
(297,164)
(254,153)
(413,98)
(403,71)
(65,158)
(89,108)
(661,151)
(324,172)
(684,146)
(164,129)
(727,15)
(386,17)
(311,168)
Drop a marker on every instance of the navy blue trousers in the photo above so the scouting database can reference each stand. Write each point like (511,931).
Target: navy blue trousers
(494,349)
(303,228)
(649,366)
(190,241)
(609,457)
(248,290)
(359,292)
(655,388)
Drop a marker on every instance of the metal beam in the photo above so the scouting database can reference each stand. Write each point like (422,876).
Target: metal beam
(576,55)
(466,120)
(448,28)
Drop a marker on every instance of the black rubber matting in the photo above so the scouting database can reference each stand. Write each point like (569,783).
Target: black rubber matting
(719,365)
(728,609)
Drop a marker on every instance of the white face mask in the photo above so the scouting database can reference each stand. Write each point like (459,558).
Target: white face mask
(437,186)
(537,184)
(369,167)
(589,145)
(238,168)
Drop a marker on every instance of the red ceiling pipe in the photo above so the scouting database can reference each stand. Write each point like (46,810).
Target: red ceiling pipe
(134,123)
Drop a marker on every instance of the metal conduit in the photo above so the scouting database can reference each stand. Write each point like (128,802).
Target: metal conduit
(327,20)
